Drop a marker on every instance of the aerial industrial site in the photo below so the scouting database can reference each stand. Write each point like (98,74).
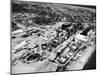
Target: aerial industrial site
(51,37)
